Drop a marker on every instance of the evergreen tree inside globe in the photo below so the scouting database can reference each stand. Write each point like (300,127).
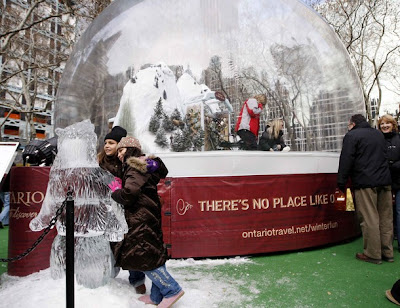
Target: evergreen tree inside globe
(161,138)
(167,124)
(181,140)
(155,119)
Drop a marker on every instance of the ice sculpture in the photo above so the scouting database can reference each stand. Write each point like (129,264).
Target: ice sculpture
(98,219)
(239,47)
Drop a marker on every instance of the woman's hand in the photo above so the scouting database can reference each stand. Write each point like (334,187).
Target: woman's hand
(116,184)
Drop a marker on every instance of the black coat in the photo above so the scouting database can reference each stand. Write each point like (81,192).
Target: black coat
(266,143)
(364,158)
(393,154)
(143,248)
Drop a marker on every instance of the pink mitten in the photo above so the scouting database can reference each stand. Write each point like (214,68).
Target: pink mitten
(118,180)
(116,184)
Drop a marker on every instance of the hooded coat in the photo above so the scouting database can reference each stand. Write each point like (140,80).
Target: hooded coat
(249,117)
(143,248)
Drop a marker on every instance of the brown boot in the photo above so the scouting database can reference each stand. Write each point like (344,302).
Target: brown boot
(363,257)
(140,289)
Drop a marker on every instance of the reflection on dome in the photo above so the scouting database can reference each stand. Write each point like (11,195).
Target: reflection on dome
(175,74)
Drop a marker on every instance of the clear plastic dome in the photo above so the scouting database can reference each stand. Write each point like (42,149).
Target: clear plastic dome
(175,70)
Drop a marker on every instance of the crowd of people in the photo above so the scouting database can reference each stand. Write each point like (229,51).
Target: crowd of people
(248,125)
(370,159)
(369,164)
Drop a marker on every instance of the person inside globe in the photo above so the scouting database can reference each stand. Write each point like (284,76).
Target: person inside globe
(248,122)
(143,248)
(272,137)
(108,160)
(388,126)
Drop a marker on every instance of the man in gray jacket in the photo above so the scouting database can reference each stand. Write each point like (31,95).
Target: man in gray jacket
(363,159)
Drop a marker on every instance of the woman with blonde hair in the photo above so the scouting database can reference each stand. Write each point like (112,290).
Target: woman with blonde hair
(272,137)
(388,126)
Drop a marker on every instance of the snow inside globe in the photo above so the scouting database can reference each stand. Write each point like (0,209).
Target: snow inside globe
(176,74)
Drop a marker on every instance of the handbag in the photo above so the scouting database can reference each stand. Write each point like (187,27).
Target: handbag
(349,201)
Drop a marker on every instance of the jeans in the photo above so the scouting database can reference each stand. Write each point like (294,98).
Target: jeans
(4,215)
(396,216)
(163,285)
(136,278)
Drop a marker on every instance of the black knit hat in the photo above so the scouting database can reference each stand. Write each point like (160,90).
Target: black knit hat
(116,134)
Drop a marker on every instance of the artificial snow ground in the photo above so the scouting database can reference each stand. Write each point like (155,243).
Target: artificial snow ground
(203,284)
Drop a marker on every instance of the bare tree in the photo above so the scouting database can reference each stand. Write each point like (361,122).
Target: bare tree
(369,31)
(36,38)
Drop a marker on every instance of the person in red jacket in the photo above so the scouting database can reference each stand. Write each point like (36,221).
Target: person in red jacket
(248,122)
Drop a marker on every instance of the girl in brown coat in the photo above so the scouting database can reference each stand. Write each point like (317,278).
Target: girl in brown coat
(108,160)
(143,247)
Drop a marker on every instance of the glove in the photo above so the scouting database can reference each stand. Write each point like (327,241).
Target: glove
(118,180)
(152,165)
(116,184)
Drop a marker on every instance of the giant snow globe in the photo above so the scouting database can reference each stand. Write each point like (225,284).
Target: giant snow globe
(176,74)
(179,75)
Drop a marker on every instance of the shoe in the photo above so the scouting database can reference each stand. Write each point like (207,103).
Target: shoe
(1,225)
(169,301)
(140,289)
(363,257)
(388,259)
(146,299)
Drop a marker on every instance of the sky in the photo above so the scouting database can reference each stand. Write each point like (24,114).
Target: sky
(39,290)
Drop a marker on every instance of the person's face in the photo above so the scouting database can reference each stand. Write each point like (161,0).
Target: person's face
(110,147)
(386,127)
(281,125)
(350,125)
(121,154)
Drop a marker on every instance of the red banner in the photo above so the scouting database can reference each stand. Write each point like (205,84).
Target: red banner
(207,216)
(27,191)
(226,216)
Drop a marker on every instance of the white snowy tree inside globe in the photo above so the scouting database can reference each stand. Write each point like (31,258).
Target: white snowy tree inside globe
(202,60)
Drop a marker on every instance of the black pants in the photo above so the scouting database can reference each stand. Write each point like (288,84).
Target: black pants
(249,140)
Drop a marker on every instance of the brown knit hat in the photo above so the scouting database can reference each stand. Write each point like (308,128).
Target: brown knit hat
(129,142)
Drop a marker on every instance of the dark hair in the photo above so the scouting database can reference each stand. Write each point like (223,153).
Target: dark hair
(357,119)
(132,152)
(101,156)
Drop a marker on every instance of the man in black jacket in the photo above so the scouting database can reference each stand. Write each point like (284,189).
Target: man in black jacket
(363,159)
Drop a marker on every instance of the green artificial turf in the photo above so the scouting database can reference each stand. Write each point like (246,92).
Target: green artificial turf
(320,277)
(3,248)
(324,277)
